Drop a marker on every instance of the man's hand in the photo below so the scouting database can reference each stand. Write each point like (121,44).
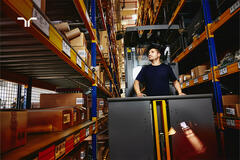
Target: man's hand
(181,94)
(140,94)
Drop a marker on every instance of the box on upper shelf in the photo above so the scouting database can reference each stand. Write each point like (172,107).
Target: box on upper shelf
(198,71)
(64,99)
(84,54)
(73,33)
(62,27)
(79,41)
(104,42)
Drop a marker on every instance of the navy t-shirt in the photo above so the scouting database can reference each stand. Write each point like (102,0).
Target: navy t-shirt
(156,79)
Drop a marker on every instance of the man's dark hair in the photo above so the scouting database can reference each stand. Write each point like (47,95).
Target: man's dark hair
(158,47)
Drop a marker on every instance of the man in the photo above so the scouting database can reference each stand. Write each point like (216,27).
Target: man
(156,76)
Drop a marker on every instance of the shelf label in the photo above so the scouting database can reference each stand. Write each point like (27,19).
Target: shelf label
(66,48)
(187,84)
(234,7)
(79,100)
(190,47)
(86,68)
(66,118)
(87,132)
(230,111)
(41,23)
(223,71)
(79,62)
(205,77)
(238,65)
(195,80)
(230,122)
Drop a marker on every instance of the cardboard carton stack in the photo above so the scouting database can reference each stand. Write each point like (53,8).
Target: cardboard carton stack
(79,44)
(231,105)
(58,112)
(198,71)
(77,41)
(104,44)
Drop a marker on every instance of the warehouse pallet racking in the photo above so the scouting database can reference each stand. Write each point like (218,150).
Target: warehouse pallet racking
(53,64)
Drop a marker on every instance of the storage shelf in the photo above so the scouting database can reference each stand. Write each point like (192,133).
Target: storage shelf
(215,25)
(86,19)
(39,142)
(193,82)
(49,37)
(178,9)
(228,70)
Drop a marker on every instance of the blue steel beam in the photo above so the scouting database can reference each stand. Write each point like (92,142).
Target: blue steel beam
(94,85)
(213,57)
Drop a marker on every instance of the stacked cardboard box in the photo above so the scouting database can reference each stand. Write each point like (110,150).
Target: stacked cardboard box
(84,54)
(101,106)
(231,105)
(60,119)
(13,129)
(104,43)
(79,44)
(198,71)
(65,99)
(76,101)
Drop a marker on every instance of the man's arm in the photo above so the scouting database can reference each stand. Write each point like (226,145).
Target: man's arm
(137,89)
(178,87)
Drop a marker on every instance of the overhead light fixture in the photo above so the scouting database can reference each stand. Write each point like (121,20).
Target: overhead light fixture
(134,16)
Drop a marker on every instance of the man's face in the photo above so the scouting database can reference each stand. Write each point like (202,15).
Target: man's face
(153,54)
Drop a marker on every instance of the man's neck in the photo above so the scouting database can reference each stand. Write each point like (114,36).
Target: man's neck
(156,63)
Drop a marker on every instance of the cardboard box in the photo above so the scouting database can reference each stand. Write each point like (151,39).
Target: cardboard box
(230,99)
(73,33)
(79,41)
(60,119)
(200,70)
(104,42)
(76,113)
(100,106)
(232,110)
(65,99)
(84,54)
(13,129)
(62,27)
